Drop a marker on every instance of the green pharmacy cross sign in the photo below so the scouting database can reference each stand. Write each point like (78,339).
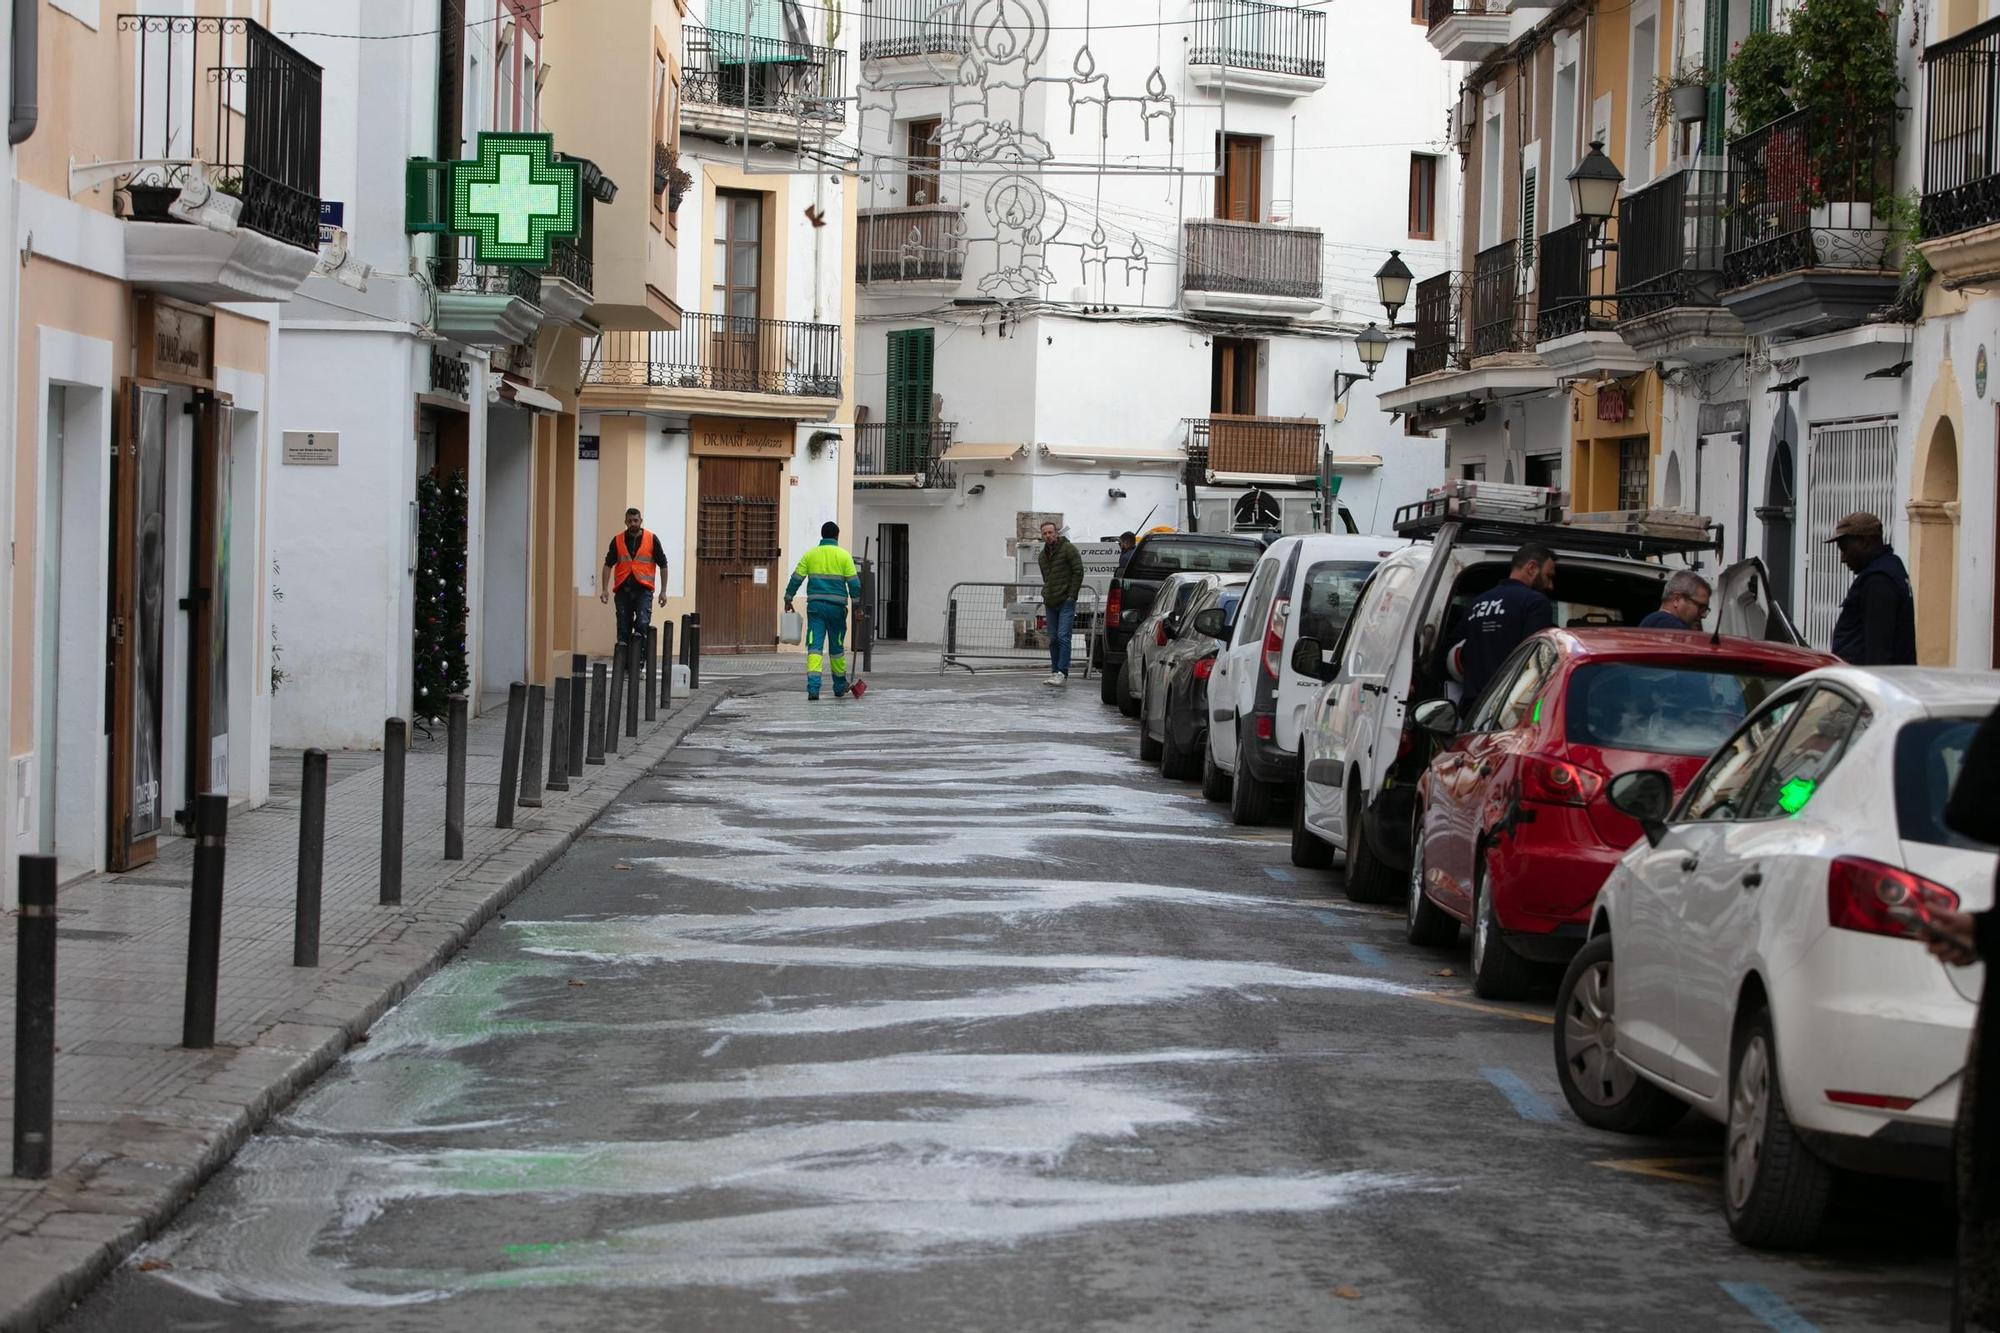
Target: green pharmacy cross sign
(514,198)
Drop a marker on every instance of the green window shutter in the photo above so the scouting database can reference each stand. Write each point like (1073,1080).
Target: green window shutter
(908,399)
(426,196)
(1528,218)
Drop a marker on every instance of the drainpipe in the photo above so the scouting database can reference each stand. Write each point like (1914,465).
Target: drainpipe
(23,110)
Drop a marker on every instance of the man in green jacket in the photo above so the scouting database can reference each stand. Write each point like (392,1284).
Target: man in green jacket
(831,582)
(1062,580)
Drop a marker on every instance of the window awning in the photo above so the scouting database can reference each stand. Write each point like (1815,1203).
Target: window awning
(1261,478)
(522,395)
(1115,453)
(1356,460)
(965,451)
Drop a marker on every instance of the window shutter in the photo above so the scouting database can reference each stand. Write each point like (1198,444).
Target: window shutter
(1528,218)
(898,391)
(426,196)
(910,361)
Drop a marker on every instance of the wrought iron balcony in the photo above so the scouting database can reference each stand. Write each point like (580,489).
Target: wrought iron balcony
(1253,446)
(790,79)
(485,305)
(227,95)
(1272,39)
(896,451)
(1503,318)
(1805,196)
(568,261)
(1671,237)
(900,29)
(925,243)
(1467,29)
(1440,321)
(1962,132)
(733,354)
(1251,259)
(1564,286)
(457,273)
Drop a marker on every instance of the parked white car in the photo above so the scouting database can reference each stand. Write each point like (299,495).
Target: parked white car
(1768,971)
(1304,586)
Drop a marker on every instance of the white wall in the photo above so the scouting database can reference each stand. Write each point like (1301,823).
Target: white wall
(504,594)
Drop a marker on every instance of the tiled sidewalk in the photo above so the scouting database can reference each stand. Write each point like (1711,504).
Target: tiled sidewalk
(141,1121)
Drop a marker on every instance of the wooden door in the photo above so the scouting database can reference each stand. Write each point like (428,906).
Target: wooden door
(1239,190)
(207,605)
(736,360)
(136,633)
(1233,377)
(921,183)
(738,574)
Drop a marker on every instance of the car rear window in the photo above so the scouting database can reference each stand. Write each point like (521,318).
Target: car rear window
(1929,755)
(1331,589)
(1157,559)
(1661,709)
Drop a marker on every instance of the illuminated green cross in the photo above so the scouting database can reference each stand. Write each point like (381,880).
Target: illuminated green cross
(514,198)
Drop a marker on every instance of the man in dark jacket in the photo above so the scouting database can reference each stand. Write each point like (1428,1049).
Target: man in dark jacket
(1683,603)
(1878,621)
(1498,620)
(1062,580)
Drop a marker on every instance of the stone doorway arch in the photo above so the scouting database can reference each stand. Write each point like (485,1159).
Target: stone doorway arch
(1934,545)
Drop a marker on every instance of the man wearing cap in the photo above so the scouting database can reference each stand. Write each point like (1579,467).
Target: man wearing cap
(1878,621)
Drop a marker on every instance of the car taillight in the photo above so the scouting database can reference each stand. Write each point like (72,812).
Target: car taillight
(1159,633)
(1112,605)
(1274,636)
(1266,726)
(1557,781)
(1866,896)
(1202,667)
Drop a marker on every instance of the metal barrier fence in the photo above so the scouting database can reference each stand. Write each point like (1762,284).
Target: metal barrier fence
(1006,624)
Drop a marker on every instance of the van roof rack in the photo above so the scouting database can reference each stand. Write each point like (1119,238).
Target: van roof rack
(1494,512)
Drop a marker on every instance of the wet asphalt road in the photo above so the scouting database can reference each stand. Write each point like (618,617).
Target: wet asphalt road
(939,1011)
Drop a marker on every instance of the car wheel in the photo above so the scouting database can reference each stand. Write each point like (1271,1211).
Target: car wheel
(1107,684)
(1249,800)
(1149,749)
(1428,924)
(1128,703)
(1498,973)
(1774,1190)
(1176,763)
(1367,880)
(1603,1090)
(1215,783)
(1309,850)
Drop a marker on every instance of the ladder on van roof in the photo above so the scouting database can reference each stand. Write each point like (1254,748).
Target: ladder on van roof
(1490,512)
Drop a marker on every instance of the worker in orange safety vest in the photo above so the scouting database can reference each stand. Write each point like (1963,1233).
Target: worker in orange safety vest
(635,569)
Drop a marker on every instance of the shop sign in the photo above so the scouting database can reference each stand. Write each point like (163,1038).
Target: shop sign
(1613,404)
(734,437)
(586,448)
(450,375)
(515,198)
(175,342)
(332,216)
(312,448)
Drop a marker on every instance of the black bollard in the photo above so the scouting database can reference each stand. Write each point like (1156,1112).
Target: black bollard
(649,648)
(864,618)
(35,1020)
(510,754)
(204,960)
(531,750)
(667,665)
(558,779)
(686,638)
(454,780)
(594,729)
(694,652)
(634,685)
(615,707)
(395,738)
(579,690)
(312,861)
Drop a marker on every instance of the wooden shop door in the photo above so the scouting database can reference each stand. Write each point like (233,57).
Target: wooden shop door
(738,574)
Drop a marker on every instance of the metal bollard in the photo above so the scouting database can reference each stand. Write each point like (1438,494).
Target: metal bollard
(579,690)
(395,738)
(694,651)
(35,1020)
(531,750)
(454,780)
(204,961)
(634,685)
(667,665)
(594,729)
(649,648)
(687,619)
(864,619)
(615,708)
(312,860)
(510,754)
(558,779)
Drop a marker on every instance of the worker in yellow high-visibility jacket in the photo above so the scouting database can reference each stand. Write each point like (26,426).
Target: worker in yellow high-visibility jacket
(831,582)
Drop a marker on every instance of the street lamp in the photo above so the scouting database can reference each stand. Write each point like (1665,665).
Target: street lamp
(1392,285)
(1372,344)
(1593,188)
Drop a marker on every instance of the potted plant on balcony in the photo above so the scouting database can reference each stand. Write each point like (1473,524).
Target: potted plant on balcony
(669,177)
(1762,71)
(148,201)
(1680,97)
(1848,86)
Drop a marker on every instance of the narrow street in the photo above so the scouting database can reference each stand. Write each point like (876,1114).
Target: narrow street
(939,1011)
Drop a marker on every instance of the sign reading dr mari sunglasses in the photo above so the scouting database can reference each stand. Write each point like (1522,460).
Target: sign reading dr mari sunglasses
(514,198)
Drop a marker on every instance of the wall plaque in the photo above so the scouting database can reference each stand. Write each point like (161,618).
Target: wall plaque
(175,342)
(738,437)
(312,448)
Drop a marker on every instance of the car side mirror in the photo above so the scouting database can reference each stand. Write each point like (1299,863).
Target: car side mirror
(1439,717)
(1212,622)
(1646,795)
(1306,660)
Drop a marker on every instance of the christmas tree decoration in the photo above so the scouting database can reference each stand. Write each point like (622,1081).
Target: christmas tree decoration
(439,649)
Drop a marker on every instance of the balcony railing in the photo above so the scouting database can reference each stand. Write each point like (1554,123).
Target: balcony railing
(735,355)
(904,449)
(1564,285)
(227,94)
(458,273)
(1671,237)
(1962,131)
(1804,195)
(897,29)
(1437,11)
(1503,320)
(791,79)
(1439,318)
(1254,446)
(921,244)
(1251,258)
(568,261)
(1276,39)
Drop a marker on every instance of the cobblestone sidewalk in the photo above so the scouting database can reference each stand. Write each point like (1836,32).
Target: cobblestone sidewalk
(140,1122)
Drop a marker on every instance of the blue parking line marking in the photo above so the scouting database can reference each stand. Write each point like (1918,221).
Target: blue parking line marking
(1279,873)
(1368,955)
(1768,1306)
(1528,1104)
(1327,919)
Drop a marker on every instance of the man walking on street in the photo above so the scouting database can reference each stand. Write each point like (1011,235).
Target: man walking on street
(1062,580)
(831,582)
(1878,621)
(635,567)
(1683,603)
(1498,620)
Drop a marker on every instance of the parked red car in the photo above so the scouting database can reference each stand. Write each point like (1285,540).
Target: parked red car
(1514,835)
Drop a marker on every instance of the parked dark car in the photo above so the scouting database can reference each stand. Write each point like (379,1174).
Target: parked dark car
(1173,702)
(1161,624)
(1158,556)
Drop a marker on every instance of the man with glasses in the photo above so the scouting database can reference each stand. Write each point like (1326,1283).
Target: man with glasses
(1683,605)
